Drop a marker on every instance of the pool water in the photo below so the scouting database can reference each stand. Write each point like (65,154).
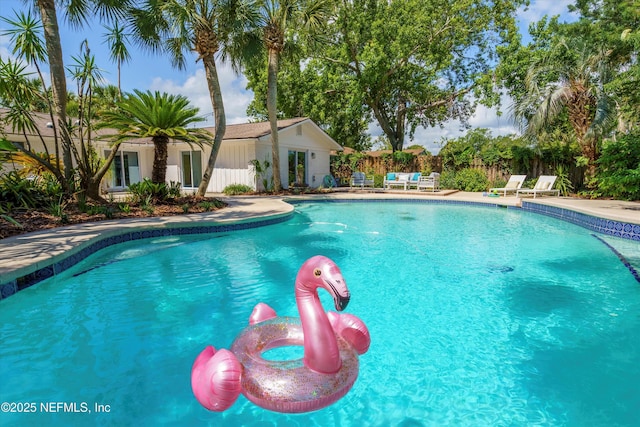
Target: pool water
(478,317)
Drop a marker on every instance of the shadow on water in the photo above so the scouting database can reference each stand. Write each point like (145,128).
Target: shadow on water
(528,298)
(573,349)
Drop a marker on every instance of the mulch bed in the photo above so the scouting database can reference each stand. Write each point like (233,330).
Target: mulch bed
(36,220)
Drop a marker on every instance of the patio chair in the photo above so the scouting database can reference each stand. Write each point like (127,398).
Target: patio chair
(512,186)
(359,179)
(396,179)
(431,182)
(414,178)
(544,185)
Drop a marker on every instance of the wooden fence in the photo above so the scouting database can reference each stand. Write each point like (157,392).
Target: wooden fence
(378,165)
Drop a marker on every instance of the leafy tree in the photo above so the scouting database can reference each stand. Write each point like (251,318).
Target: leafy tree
(415,63)
(161,117)
(615,25)
(516,58)
(202,26)
(315,90)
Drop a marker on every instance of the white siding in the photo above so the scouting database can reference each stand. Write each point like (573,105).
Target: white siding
(232,166)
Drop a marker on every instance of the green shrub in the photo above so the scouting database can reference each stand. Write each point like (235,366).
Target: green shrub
(149,192)
(563,183)
(618,172)
(236,189)
(56,208)
(174,190)
(107,211)
(29,193)
(448,179)
(467,179)
(207,205)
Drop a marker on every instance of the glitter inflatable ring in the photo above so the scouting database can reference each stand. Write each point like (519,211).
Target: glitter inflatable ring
(289,386)
(331,342)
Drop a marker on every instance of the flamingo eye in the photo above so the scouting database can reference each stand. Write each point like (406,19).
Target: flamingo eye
(317,272)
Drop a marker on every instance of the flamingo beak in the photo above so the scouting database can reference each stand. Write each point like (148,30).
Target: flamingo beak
(342,301)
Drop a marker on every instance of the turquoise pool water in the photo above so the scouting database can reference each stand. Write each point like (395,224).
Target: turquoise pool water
(478,317)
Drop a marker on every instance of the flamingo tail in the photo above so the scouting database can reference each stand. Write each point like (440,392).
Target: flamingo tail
(260,313)
(215,379)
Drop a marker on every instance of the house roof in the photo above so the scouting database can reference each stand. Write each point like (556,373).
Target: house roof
(255,130)
(233,132)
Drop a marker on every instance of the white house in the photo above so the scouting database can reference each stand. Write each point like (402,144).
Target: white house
(304,156)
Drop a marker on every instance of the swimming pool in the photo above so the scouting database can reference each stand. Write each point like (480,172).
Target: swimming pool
(478,316)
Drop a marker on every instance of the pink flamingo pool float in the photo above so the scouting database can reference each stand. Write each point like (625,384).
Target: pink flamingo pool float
(332,343)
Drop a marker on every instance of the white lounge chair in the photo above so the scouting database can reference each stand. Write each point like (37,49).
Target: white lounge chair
(359,179)
(431,182)
(544,185)
(512,186)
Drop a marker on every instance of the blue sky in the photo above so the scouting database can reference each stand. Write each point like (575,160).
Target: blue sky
(153,72)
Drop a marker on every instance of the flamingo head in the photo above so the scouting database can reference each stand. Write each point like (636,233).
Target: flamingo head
(320,272)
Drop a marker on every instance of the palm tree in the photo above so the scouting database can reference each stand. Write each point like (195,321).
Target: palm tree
(116,38)
(161,117)
(22,96)
(76,13)
(573,85)
(91,168)
(26,36)
(277,19)
(200,26)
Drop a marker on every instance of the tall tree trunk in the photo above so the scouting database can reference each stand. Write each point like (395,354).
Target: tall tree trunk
(58,82)
(272,109)
(93,184)
(581,115)
(385,124)
(159,173)
(221,123)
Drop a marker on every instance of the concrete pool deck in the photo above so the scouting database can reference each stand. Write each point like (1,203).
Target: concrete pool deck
(30,253)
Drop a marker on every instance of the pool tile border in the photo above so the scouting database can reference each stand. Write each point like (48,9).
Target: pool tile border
(610,227)
(605,226)
(57,267)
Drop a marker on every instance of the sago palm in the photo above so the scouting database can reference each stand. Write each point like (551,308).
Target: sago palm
(159,116)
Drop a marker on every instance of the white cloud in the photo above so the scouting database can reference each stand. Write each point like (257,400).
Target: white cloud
(539,8)
(484,117)
(234,95)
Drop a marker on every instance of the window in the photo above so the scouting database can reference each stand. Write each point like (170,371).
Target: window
(124,169)
(191,168)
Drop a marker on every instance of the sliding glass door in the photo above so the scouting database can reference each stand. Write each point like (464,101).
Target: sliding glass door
(297,168)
